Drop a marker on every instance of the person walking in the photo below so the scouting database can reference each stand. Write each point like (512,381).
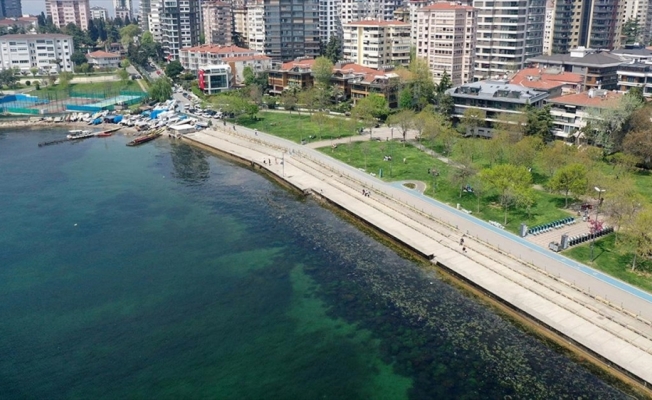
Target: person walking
(256,132)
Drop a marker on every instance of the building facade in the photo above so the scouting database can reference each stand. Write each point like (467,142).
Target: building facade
(291,29)
(144,11)
(572,113)
(154,20)
(446,40)
(103,59)
(214,79)
(639,11)
(180,26)
(258,63)
(217,21)
(377,44)
(123,8)
(508,32)
(330,24)
(380,10)
(255,27)
(11,9)
(64,12)
(99,13)
(192,58)
(37,51)
(577,23)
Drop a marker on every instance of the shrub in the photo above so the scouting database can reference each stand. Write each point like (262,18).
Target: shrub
(28,83)
(37,86)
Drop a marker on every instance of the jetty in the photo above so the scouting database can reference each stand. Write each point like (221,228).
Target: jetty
(591,311)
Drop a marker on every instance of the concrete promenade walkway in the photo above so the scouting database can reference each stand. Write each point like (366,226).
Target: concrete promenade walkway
(607,316)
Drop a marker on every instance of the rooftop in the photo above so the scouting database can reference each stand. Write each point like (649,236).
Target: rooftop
(102,54)
(347,70)
(216,49)
(545,79)
(28,36)
(637,52)
(492,89)
(599,59)
(247,58)
(595,98)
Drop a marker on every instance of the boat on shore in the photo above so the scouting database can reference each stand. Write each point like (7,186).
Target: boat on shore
(146,138)
(107,132)
(79,134)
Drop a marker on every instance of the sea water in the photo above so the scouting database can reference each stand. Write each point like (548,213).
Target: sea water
(163,272)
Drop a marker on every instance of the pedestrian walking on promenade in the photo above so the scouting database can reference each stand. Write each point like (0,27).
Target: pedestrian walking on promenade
(461,241)
(256,132)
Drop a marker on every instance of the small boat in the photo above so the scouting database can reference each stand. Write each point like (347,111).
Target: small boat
(107,132)
(144,139)
(79,134)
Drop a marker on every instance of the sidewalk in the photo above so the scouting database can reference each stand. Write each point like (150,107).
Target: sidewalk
(609,320)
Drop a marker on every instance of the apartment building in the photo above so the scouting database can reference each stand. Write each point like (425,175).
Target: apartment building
(446,40)
(258,63)
(380,10)
(240,22)
(123,9)
(255,27)
(99,13)
(192,58)
(639,11)
(508,33)
(577,23)
(64,12)
(354,81)
(291,29)
(144,12)
(214,79)
(637,74)
(598,69)
(103,59)
(11,9)
(217,21)
(554,81)
(37,51)
(180,26)
(494,97)
(377,44)
(330,25)
(154,20)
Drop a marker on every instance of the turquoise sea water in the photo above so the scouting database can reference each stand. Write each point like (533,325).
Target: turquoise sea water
(161,272)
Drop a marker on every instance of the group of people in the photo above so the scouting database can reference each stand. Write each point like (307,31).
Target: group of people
(462,244)
(366,193)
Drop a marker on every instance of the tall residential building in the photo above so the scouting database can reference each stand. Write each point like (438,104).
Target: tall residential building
(10,9)
(154,20)
(580,23)
(99,13)
(446,39)
(548,27)
(291,29)
(240,24)
(145,10)
(255,27)
(639,11)
(329,20)
(64,12)
(377,44)
(180,26)
(217,21)
(509,32)
(123,8)
(36,51)
(355,10)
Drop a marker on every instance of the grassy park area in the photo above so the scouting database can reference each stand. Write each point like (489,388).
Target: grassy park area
(297,127)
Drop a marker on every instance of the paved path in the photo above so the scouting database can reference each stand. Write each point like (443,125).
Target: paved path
(601,313)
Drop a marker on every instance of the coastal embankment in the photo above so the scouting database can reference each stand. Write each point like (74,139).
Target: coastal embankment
(598,314)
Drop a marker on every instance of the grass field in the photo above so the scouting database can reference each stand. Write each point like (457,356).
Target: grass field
(297,127)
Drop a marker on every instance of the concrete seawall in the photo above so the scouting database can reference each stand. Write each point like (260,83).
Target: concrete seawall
(607,318)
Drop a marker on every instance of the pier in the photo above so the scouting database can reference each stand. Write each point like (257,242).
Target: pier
(588,309)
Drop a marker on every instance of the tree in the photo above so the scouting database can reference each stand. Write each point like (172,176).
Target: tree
(289,100)
(631,30)
(34,71)
(322,71)
(640,235)
(255,94)
(509,181)
(173,69)
(160,90)
(525,151)
(463,171)
(78,58)
(130,31)
(64,79)
(639,143)
(404,120)
(556,155)
(622,203)
(369,110)
(8,78)
(472,119)
(251,110)
(539,123)
(608,123)
(448,137)
(84,68)
(405,99)
(125,63)
(93,32)
(333,49)
(147,38)
(320,118)
(571,178)
(445,83)
(249,76)
(123,75)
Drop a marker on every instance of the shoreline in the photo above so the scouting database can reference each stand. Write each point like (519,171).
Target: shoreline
(522,315)
(32,125)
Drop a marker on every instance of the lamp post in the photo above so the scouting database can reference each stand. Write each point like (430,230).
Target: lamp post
(597,214)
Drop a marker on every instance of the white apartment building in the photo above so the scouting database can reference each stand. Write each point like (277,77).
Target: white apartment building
(37,51)
(217,21)
(508,33)
(99,13)
(215,78)
(64,12)
(377,44)
(255,27)
(548,27)
(446,40)
(355,10)
(143,14)
(153,19)
(180,26)
(123,8)
(192,58)
(258,63)
(640,10)
(413,7)
(329,20)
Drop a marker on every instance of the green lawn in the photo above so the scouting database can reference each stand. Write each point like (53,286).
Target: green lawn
(369,156)
(297,127)
(614,260)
